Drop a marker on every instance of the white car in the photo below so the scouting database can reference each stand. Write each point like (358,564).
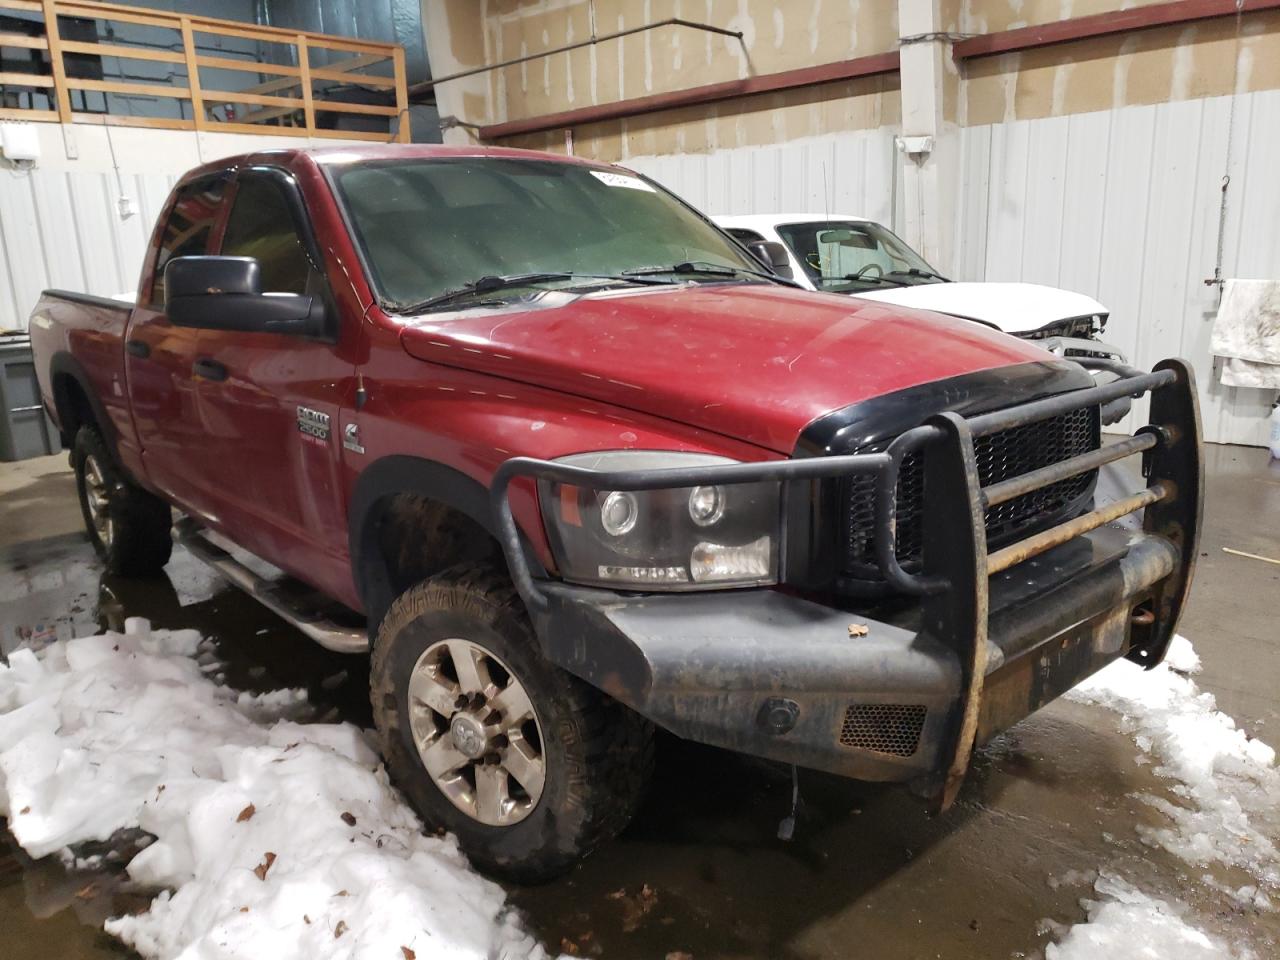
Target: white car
(857,256)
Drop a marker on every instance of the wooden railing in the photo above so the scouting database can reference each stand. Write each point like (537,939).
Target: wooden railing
(308,72)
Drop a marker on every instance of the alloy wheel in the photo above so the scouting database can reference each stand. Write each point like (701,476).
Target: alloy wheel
(97,495)
(477,732)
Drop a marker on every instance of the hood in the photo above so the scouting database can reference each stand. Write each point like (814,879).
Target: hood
(752,362)
(1015,308)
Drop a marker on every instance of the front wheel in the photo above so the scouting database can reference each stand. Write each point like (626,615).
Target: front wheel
(530,767)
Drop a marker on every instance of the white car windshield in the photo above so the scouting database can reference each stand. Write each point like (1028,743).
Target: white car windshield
(854,255)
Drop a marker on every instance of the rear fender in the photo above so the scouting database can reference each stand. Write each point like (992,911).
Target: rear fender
(64,371)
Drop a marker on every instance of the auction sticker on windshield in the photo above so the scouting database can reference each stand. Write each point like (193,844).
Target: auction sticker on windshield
(620,180)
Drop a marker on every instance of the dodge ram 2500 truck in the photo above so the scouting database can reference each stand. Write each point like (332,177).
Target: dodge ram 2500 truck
(584,467)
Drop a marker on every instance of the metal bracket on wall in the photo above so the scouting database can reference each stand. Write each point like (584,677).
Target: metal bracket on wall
(915,147)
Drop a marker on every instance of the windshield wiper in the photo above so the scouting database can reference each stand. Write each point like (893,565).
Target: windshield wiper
(917,272)
(707,268)
(855,278)
(492,284)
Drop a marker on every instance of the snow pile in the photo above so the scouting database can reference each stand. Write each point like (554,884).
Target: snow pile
(1228,784)
(1126,923)
(273,838)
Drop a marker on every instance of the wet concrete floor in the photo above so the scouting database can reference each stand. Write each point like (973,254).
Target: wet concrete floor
(701,871)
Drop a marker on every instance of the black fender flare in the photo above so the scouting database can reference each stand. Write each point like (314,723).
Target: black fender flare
(399,473)
(63,366)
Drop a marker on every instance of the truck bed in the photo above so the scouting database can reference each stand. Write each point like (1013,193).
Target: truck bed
(78,344)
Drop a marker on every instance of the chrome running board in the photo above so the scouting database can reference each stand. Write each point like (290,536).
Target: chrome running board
(270,593)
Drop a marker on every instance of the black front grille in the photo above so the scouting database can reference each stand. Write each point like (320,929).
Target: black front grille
(1000,456)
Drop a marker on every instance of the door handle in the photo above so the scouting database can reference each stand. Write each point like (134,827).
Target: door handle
(138,348)
(209,369)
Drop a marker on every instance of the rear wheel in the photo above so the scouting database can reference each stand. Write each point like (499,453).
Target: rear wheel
(128,527)
(530,767)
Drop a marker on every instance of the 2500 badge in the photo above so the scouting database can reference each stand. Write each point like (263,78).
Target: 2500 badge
(313,424)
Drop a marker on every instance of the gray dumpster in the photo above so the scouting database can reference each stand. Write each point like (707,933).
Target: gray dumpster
(25,431)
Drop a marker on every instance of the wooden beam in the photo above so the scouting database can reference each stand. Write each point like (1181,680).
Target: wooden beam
(131,89)
(346,76)
(121,51)
(256,99)
(193,74)
(1103,24)
(367,136)
(53,39)
(240,126)
(30,6)
(248,66)
(269,113)
(95,11)
(308,95)
(118,120)
(869,66)
(271,86)
(260,129)
(329,42)
(26,80)
(371,109)
(23,41)
(17,113)
(402,97)
(333,72)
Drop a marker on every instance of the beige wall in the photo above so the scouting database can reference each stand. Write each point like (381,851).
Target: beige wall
(1158,65)
(1144,67)
(777,36)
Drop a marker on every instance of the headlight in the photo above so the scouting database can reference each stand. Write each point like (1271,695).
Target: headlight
(672,539)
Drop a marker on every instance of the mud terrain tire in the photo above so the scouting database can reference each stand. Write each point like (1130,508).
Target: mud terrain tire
(597,754)
(128,527)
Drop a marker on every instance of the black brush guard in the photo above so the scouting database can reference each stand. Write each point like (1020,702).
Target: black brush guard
(998,634)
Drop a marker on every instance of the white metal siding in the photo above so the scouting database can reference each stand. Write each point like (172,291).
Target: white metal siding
(62,229)
(1123,206)
(851,173)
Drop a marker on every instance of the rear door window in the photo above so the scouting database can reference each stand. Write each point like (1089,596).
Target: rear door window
(189,229)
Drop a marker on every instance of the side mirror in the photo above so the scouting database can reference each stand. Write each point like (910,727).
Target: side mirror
(225,293)
(773,255)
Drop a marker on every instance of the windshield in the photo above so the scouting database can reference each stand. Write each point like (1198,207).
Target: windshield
(854,255)
(434,226)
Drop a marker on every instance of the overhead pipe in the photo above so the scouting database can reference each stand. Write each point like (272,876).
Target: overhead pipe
(869,66)
(420,89)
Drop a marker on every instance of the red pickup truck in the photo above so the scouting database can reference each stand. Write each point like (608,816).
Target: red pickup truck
(582,464)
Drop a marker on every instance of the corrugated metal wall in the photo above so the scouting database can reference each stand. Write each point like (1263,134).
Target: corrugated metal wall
(1124,206)
(849,173)
(62,229)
